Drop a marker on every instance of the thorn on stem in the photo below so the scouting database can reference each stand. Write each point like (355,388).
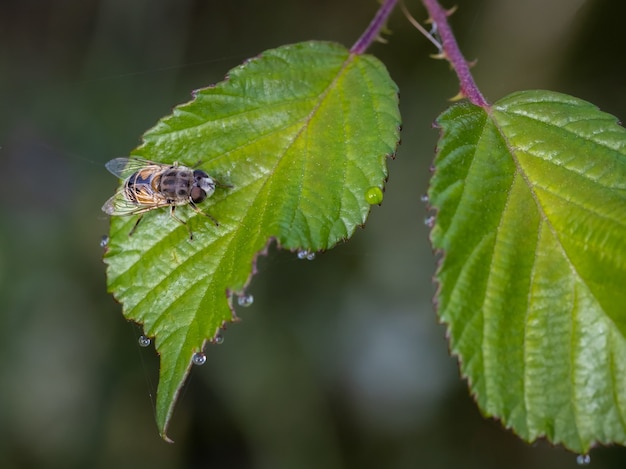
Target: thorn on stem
(381,39)
(457,97)
(440,56)
(452,10)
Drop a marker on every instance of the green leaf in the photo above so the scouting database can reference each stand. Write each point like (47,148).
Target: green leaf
(530,199)
(296,137)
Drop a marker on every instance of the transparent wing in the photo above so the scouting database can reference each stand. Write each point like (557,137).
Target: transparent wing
(124,167)
(119,205)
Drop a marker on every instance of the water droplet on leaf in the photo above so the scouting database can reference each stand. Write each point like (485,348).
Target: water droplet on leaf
(245,300)
(429,221)
(144,341)
(218,339)
(374,195)
(198,358)
(424,198)
(104,241)
(306,254)
(583,459)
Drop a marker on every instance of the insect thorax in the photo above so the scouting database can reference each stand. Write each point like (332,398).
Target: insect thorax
(175,184)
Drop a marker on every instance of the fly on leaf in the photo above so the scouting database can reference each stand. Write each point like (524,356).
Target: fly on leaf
(149,185)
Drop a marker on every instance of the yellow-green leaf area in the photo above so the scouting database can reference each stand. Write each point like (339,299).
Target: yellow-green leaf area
(530,203)
(294,137)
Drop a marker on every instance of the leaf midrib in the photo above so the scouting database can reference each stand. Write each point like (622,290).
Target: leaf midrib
(266,186)
(544,218)
(531,188)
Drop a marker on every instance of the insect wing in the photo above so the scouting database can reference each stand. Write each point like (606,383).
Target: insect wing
(125,167)
(119,205)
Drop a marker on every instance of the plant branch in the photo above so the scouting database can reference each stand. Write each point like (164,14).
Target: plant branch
(451,51)
(373,30)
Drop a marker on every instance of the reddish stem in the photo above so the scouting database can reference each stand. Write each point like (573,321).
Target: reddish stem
(372,31)
(439,17)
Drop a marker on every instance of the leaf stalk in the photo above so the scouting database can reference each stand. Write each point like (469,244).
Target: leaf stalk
(373,30)
(439,18)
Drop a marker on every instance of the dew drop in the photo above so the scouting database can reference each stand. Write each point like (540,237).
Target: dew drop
(429,221)
(218,339)
(424,198)
(583,459)
(198,358)
(306,254)
(104,241)
(144,341)
(374,195)
(245,300)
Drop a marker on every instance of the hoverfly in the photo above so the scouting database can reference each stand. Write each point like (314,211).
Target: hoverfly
(149,185)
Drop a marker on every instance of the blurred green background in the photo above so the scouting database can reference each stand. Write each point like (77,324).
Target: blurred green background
(340,362)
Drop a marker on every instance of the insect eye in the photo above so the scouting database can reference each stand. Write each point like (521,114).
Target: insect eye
(198,174)
(197,195)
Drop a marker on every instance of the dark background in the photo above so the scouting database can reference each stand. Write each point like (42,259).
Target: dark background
(340,361)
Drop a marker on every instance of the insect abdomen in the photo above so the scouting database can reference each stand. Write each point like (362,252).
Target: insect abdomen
(136,185)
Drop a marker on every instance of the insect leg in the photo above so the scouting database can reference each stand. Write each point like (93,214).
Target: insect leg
(135,225)
(197,210)
(172,208)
